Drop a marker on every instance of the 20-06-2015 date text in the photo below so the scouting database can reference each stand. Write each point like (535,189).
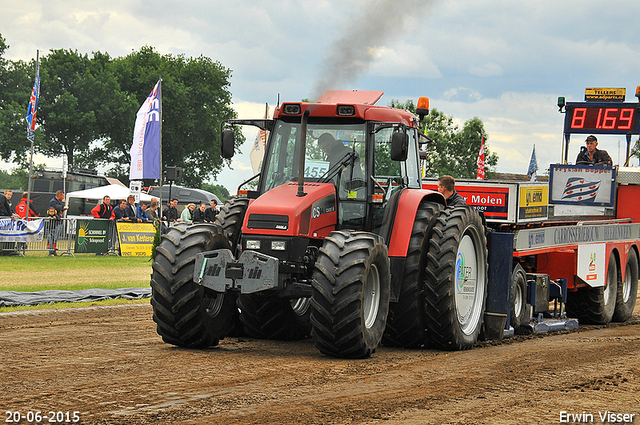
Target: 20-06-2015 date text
(14,416)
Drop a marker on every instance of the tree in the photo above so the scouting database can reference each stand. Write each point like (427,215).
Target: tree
(17,179)
(195,99)
(73,92)
(88,106)
(15,88)
(218,190)
(453,151)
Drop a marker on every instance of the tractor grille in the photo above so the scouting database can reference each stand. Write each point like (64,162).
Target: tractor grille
(268,221)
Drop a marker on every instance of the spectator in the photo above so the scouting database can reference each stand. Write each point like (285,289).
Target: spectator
(170,213)
(152,211)
(447,186)
(187,213)
(119,211)
(52,230)
(198,214)
(211,212)
(104,210)
(131,210)
(142,212)
(21,208)
(57,202)
(5,205)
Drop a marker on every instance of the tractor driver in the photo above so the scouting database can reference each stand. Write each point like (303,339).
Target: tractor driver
(336,151)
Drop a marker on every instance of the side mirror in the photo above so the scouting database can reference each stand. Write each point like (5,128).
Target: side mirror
(227,142)
(399,146)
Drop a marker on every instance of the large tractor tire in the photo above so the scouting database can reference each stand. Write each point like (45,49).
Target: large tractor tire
(456,285)
(405,324)
(187,314)
(627,290)
(518,297)
(350,297)
(596,306)
(230,218)
(270,317)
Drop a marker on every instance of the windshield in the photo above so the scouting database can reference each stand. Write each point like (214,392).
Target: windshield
(326,146)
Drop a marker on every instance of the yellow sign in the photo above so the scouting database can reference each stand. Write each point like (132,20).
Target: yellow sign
(605,94)
(136,239)
(533,202)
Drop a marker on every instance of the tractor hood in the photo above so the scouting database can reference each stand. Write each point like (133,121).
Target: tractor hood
(280,212)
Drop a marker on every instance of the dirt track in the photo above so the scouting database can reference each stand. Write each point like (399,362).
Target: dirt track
(111,366)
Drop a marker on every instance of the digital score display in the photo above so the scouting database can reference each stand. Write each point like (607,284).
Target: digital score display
(610,118)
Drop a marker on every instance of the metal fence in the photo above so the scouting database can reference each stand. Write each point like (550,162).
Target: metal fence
(59,237)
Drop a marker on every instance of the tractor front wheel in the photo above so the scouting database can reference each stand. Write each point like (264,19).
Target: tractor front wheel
(187,314)
(350,296)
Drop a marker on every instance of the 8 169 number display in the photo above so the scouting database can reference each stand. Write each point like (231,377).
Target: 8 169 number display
(609,118)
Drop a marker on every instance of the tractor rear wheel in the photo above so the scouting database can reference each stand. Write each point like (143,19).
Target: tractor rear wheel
(456,285)
(270,317)
(627,290)
(596,305)
(350,296)
(405,324)
(187,314)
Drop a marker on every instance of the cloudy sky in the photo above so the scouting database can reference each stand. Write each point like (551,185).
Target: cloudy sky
(505,62)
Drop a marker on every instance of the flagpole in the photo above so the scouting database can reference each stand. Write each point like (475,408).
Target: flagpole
(32,138)
(160,206)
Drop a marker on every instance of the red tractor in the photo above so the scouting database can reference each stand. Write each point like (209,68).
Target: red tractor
(339,241)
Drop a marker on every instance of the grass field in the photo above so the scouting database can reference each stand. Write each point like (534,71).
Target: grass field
(84,271)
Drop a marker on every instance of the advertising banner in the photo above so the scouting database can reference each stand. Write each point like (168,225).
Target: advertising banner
(534,202)
(92,236)
(496,200)
(582,185)
(21,230)
(136,239)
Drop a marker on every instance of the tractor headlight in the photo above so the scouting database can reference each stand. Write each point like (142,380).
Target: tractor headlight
(278,245)
(253,244)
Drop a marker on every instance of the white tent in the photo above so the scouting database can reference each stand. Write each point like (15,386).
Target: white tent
(115,192)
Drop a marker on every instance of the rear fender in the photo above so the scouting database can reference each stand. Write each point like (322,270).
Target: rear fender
(404,217)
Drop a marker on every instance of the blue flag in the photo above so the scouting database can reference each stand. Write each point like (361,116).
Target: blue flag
(533,166)
(145,151)
(32,108)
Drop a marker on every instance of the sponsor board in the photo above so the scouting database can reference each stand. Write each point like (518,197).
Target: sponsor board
(92,236)
(136,239)
(16,230)
(533,202)
(548,237)
(496,200)
(582,185)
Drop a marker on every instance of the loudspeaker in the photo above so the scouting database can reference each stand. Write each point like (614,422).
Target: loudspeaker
(173,174)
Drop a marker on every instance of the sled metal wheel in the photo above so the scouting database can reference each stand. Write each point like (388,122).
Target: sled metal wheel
(518,296)
(596,306)
(627,290)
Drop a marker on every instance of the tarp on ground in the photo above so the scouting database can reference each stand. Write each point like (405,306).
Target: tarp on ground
(14,298)
(115,192)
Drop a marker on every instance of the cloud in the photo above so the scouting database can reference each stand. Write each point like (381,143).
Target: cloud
(486,70)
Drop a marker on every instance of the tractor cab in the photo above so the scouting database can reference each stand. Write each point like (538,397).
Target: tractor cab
(368,153)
